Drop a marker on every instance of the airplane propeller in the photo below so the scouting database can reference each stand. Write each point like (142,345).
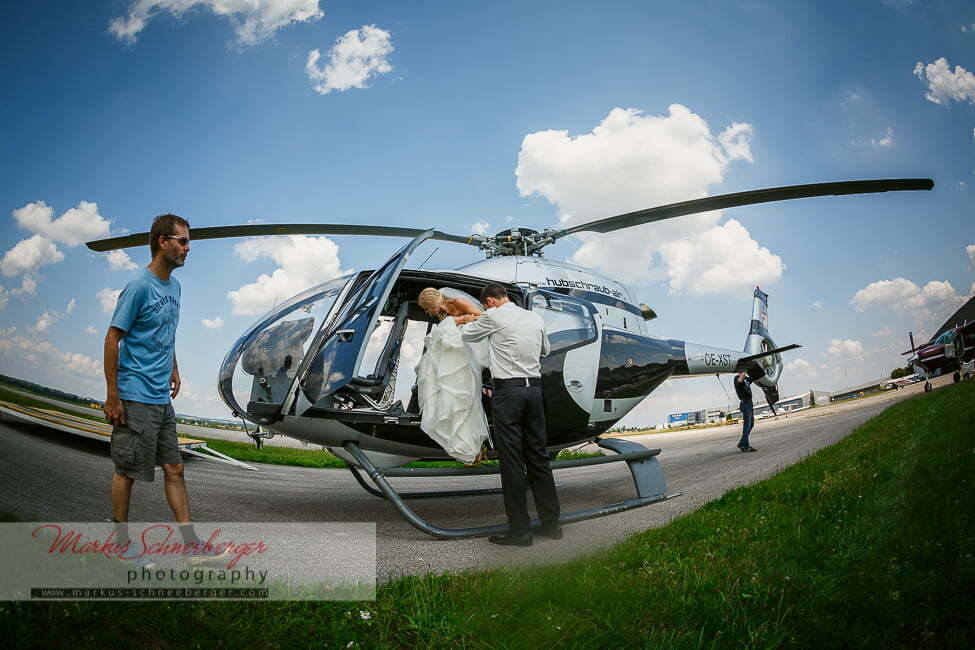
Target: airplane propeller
(526,241)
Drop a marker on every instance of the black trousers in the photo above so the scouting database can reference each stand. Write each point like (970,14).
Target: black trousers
(519,435)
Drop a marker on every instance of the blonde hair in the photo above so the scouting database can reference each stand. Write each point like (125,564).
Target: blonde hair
(430,299)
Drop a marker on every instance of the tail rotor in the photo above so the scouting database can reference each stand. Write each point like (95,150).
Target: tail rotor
(766,370)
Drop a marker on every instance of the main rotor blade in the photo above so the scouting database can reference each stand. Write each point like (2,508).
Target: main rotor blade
(722,201)
(256,230)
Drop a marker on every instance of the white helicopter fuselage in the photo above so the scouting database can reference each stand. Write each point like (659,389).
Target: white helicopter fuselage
(604,362)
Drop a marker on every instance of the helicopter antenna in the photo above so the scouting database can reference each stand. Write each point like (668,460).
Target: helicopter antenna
(419,268)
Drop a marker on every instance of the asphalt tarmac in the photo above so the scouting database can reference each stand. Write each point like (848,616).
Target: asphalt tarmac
(48,475)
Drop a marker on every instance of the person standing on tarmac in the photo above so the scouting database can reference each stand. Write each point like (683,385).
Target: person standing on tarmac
(517,340)
(142,377)
(744,390)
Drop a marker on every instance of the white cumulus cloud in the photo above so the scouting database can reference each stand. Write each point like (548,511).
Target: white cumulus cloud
(91,330)
(945,84)
(303,261)
(212,323)
(253,20)
(720,259)
(46,320)
(884,142)
(736,141)
(929,304)
(903,295)
(74,227)
(818,304)
(840,349)
(883,331)
(119,260)
(71,305)
(107,298)
(42,352)
(631,161)
(801,367)
(4,297)
(28,284)
(480,227)
(970,249)
(29,255)
(355,58)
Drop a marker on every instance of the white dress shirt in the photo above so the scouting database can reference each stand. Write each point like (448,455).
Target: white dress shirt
(517,338)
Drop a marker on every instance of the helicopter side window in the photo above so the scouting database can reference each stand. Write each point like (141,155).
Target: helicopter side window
(569,323)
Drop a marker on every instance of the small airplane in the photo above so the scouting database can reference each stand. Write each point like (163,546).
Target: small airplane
(323,366)
(951,351)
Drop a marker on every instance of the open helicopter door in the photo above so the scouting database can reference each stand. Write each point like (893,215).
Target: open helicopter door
(315,340)
(570,370)
(258,374)
(340,348)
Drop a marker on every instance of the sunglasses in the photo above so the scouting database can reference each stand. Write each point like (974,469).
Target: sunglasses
(183,241)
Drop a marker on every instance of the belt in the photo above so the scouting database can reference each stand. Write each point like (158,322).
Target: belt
(518,381)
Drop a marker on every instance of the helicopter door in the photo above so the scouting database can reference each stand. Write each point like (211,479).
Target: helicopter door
(573,336)
(340,354)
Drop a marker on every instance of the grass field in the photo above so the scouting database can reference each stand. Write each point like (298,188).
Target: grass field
(868,543)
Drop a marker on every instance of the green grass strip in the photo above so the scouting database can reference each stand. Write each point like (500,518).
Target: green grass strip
(867,543)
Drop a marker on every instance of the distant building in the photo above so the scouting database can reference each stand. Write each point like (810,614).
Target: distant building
(857,391)
(720,414)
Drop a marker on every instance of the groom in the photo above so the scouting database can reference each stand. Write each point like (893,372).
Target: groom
(517,339)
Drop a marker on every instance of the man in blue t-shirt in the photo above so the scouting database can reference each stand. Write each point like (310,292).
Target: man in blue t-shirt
(142,376)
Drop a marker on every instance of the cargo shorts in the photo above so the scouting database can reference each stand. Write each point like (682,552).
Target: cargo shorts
(148,438)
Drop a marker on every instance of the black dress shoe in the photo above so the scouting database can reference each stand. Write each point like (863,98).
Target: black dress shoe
(552,532)
(512,540)
(747,449)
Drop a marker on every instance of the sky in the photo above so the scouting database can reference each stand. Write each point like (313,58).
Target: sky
(473,117)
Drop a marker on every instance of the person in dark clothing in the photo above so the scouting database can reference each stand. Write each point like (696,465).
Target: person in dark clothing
(744,390)
(518,339)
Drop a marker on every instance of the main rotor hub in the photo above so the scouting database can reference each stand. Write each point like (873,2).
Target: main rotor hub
(516,241)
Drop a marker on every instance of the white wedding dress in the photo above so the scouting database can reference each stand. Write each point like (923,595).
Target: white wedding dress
(448,380)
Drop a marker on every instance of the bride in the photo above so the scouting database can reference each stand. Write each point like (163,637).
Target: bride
(448,376)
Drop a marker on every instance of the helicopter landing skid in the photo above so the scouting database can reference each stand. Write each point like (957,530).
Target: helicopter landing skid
(647,476)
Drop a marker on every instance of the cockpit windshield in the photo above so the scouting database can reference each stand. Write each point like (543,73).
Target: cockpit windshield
(262,364)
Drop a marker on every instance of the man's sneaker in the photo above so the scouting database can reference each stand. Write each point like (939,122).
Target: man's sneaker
(747,449)
(208,556)
(140,561)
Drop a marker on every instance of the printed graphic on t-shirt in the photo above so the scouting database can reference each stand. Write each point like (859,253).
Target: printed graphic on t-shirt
(166,310)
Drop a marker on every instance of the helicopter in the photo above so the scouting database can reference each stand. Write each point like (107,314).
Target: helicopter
(323,365)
